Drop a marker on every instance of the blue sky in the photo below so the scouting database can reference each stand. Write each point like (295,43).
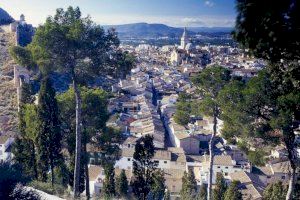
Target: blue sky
(171,12)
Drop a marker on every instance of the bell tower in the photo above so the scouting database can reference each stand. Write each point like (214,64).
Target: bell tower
(184,39)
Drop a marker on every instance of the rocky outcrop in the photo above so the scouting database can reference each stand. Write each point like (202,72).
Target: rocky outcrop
(8,99)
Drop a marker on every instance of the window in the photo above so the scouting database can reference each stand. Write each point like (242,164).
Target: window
(219,167)
(226,167)
(128,145)
(165,162)
(226,174)
(283,177)
(128,159)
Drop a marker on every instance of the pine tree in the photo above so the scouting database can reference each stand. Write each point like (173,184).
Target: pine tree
(275,191)
(109,181)
(220,188)
(49,140)
(158,186)
(122,184)
(143,167)
(209,83)
(189,186)
(232,192)
(202,195)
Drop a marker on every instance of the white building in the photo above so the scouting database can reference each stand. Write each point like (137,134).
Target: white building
(222,164)
(5,148)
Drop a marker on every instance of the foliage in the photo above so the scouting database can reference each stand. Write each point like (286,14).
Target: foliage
(49,138)
(189,186)
(220,187)
(158,186)
(22,193)
(10,176)
(233,192)
(24,155)
(124,62)
(257,157)
(243,146)
(94,114)
(26,94)
(202,195)
(275,191)
(269,29)
(55,189)
(143,167)
(22,56)
(182,114)
(122,184)
(24,148)
(109,181)
(107,141)
(209,83)
(73,45)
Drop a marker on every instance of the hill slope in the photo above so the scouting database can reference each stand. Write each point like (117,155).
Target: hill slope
(8,104)
(146,30)
(5,18)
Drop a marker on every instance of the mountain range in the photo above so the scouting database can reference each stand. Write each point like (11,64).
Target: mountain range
(145,30)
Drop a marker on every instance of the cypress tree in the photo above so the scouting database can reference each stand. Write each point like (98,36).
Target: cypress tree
(143,167)
(189,186)
(275,191)
(233,192)
(109,181)
(122,184)
(49,140)
(158,186)
(220,189)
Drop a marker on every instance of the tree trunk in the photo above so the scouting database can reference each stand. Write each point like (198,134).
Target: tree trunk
(86,171)
(290,144)
(78,140)
(211,159)
(52,172)
(289,195)
(34,161)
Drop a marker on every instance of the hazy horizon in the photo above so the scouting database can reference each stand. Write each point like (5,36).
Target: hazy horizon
(175,13)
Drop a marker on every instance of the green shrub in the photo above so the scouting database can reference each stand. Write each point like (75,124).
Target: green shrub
(47,187)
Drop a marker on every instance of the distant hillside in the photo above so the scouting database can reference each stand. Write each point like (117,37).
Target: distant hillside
(5,18)
(145,30)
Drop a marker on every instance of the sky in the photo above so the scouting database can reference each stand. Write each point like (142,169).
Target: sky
(177,13)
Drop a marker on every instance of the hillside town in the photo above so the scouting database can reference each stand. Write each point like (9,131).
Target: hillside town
(146,102)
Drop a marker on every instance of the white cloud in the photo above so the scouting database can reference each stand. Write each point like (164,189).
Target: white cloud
(209,3)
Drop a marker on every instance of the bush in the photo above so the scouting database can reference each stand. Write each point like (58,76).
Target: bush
(47,187)
(257,157)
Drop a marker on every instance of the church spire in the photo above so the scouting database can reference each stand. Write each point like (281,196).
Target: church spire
(184,39)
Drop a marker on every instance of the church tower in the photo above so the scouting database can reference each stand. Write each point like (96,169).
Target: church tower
(184,39)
